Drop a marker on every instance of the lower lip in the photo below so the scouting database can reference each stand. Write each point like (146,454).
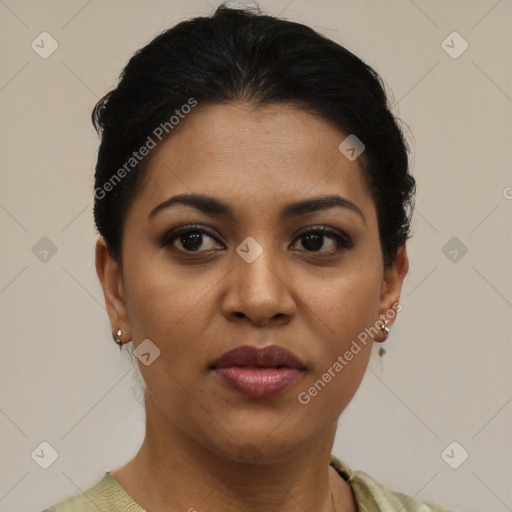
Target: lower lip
(260,382)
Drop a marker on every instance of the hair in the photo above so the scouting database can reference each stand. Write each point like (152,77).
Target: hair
(242,55)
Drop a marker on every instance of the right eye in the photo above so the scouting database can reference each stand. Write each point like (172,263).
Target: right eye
(191,239)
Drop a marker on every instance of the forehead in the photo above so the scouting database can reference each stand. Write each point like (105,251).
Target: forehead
(253,156)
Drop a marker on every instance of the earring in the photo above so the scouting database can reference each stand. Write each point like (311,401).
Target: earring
(385,329)
(118,339)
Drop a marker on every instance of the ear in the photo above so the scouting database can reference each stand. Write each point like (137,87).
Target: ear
(391,287)
(110,276)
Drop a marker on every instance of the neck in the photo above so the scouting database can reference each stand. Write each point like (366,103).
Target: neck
(171,471)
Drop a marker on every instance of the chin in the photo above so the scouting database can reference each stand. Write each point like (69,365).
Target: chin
(251,444)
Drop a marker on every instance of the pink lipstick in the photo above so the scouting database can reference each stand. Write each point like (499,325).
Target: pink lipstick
(259,372)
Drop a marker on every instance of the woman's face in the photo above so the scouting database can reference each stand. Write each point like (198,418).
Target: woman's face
(198,295)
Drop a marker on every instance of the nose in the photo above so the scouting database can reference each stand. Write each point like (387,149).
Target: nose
(259,292)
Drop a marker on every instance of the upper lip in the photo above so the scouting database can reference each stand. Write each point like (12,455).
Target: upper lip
(265,357)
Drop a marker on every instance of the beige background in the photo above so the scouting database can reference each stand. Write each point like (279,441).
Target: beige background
(447,375)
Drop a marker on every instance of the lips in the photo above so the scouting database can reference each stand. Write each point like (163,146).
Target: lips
(266,357)
(259,372)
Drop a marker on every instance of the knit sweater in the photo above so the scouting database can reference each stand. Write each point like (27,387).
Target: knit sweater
(109,496)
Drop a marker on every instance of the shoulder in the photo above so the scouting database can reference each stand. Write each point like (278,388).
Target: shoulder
(107,495)
(389,500)
(371,495)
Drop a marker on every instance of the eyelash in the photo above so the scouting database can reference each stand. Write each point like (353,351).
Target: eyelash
(343,241)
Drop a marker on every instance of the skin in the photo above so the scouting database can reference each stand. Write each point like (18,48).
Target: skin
(195,306)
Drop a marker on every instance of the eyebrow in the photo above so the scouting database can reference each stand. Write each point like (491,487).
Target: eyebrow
(210,205)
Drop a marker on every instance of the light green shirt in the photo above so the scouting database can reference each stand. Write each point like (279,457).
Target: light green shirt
(109,496)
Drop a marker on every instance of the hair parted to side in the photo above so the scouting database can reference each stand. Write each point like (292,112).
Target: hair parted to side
(241,55)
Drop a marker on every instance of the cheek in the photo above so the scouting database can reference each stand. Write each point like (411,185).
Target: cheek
(173,311)
(349,307)
(170,306)
(350,302)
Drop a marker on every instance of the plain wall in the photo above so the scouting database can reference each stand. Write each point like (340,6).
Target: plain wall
(447,372)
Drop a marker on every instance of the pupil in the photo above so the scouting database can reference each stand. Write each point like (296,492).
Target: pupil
(192,240)
(313,241)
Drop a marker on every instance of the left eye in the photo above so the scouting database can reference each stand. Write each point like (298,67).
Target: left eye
(314,239)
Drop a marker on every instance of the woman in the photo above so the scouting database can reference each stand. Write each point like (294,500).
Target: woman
(253,200)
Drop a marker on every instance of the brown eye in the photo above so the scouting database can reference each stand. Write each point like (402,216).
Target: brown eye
(315,239)
(189,239)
